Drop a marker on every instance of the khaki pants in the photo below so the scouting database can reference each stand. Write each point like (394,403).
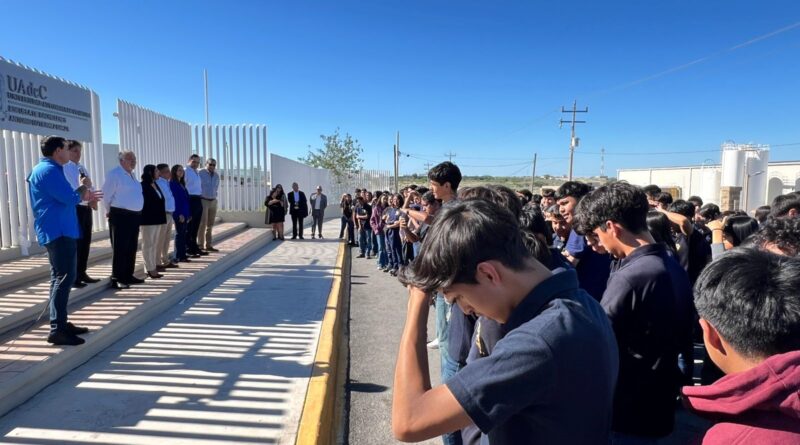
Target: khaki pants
(207,223)
(150,247)
(163,241)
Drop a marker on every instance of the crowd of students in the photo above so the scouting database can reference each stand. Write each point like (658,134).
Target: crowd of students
(63,198)
(572,316)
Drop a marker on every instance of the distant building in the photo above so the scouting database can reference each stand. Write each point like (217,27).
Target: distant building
(743,179)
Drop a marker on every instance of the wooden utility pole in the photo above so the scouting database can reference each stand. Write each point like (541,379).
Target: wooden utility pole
(533,172)
(573,141)
(450,156)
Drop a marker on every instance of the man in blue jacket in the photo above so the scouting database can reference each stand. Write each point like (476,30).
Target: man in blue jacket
(56,223)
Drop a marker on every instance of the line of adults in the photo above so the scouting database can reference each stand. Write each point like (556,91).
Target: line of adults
(63,199)
(279,203)
(589,342)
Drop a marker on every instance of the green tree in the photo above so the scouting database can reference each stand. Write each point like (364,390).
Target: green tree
(340,155)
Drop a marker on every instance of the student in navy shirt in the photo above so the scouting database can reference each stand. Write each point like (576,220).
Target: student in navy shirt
(648,300)
(56,223)
(593,268)
(550,380)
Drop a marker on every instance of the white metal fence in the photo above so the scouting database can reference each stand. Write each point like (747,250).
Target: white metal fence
(19,153)
(285,171)
(241,155)
(154,137)
(371,180)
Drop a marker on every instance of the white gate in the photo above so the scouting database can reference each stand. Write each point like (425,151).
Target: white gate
(241,155)
(154,137)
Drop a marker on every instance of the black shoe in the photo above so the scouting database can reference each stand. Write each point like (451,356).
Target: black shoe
(212,249)
(170,266)
(185,260)
(118,285)
(76,330)
(369,257)
(89,280)
(79,285)
(361,255)
(302,237)
(320,236)
(64,338)
(134,280)
(203,253)
(294,237)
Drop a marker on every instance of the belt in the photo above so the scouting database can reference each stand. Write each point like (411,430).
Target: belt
(208,199)
(125,211)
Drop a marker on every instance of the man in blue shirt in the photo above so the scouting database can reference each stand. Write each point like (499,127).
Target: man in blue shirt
(649,302)
(550,380)
(56,223)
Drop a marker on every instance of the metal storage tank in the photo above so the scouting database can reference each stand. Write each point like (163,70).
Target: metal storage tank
(733,161)
(709,186)
(755,176)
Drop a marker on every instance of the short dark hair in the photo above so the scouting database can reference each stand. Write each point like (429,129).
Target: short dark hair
(536,199)
(446,172)
(465,234)
(538,249)
(784,233)
(709,211)
(50,144)
(193,156)
(572,189)
(422,190)
(72,143)
(620,202)
(428,198)
(548,193)
(160,167)
(664,198)
(532,220)
(498,194)
(659,227)
(696,200)
(751,298)
(682,207)
(652,191)
(782,204)
(762,213)
(148,173)
(739,228)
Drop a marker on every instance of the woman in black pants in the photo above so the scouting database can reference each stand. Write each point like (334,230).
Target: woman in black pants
(347,219)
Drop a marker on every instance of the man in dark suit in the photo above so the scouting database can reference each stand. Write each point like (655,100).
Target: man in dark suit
(298,208)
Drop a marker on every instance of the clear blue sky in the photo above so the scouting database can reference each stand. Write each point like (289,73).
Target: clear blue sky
(484,80)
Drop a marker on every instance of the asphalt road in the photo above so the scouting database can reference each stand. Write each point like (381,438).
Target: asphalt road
(377,316)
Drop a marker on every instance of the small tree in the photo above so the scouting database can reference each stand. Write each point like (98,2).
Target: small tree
(340,155)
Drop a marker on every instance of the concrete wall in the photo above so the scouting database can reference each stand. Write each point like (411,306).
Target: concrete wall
(256,219)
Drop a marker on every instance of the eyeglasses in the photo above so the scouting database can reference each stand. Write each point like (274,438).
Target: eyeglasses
(212,165)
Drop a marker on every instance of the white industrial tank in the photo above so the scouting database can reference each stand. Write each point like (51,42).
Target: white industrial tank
(709,186)
(733,161)
(756,178)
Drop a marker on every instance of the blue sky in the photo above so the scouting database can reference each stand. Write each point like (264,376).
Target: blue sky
(484,80)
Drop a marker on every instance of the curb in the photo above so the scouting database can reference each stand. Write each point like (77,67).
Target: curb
(322,414)
(29,383)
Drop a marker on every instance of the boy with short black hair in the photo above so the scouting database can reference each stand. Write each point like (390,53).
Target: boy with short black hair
(779,235)
(592,267)
(648,300)
(749,307)
(785,206)
(549,380)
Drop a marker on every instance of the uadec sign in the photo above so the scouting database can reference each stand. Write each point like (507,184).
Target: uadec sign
(31,102)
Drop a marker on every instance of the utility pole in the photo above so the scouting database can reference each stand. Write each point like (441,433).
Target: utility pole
(533,172)
(602,162)
(396,162)
(573,141)
(428,166)
(450,155)
(208,127)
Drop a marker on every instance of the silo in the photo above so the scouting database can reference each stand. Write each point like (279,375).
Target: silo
(733,161)
(756,179)
(709,187)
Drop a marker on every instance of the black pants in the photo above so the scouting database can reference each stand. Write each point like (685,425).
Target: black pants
(297,224)
(85,224)
(124,226)
(196,212)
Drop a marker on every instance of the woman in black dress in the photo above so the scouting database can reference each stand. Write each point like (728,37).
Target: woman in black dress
(276,211)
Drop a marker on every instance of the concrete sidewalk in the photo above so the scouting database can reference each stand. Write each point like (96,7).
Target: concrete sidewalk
(229,364)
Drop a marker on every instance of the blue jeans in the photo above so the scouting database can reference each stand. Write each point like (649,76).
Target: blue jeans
(394,248)
(180,239)
(63,255)
(449,366)
(364,241)
(383,258)
(374,240)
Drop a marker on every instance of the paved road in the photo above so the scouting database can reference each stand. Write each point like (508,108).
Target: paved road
(228,365)
(377,315)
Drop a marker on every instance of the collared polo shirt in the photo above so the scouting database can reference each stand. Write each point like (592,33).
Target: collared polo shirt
(53,201)
(593,268)
(166,190)
(121,190)
(192,179)
(551,379)
(209,184)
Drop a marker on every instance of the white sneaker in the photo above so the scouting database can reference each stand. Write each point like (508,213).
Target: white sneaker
(434,344)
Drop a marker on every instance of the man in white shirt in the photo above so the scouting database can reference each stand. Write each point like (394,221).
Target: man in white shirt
(74,171)
(209,184)
(124,201)
(195,189)
(318,204)
(162,245)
